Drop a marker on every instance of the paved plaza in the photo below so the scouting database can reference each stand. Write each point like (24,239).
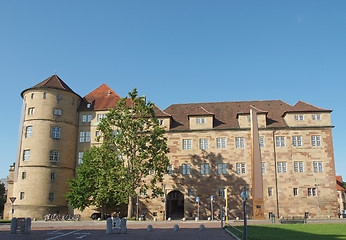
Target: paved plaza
(136,230)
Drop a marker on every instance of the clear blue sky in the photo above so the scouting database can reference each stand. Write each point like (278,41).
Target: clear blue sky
(177,52)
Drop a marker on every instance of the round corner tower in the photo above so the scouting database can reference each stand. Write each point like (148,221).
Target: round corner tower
(47,149)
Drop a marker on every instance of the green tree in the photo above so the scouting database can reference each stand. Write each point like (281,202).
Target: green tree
(132,132)
(2,197)
(132,156)
(94,181)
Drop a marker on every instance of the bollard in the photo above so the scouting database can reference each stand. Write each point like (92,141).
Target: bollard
(150,228)
(176,227)
(123,225)
(196,219)
(109,226)
(13,225)
(201,227)
(21,224)
(27,225)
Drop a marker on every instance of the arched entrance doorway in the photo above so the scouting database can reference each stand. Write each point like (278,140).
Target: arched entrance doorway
(175,205)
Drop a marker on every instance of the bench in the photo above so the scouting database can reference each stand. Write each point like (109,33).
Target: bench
(293,220)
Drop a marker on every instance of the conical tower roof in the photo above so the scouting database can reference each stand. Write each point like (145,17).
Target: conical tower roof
(52,82)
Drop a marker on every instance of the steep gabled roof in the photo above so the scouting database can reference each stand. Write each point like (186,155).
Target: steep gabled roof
(225,113)
(52,82)
(159,113)
(247,110)
(301,106)
(339,184)
(101,98)
(200,111)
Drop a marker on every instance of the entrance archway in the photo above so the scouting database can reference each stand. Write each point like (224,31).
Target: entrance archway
(175,205)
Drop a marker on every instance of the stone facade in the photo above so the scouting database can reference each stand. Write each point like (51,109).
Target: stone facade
(210,150)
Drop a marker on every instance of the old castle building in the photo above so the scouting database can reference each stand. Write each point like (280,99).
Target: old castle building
(210,152)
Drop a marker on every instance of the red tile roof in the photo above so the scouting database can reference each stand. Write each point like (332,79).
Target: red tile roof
(159,113)
(101,98)
(52,82)
(339,184)
(225,113)
(305,107)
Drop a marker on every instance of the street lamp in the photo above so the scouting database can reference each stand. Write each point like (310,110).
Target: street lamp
(244,195)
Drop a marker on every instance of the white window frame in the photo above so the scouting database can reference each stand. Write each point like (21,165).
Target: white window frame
(205,169)
(263,164)
(100,116)
(187,144)
(239,142)
(31,111)
(54,156)
(55,132)
(28,131)
(316,117)
(297,141)
(318,166)
(89,118)
(316,141)
(299,117)
(57,111)
(221,143)
(84,118)
(186,169)
(221,168)
(261,142)
(82,137)
(80,158)
(280,141)
(87,136)
(298,166)
(241,168)
(203,143)
(200,121)
(26,155)
(282,167)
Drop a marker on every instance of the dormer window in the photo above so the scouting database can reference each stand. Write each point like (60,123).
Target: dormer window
(316,117)
(299,117)
(88,105)
(58,97)
(200,120)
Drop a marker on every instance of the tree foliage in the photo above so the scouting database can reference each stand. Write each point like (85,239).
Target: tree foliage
(132,156)
(2,196)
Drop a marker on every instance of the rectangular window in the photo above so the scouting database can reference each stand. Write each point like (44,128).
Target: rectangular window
(318,166)
(55,132)
(90,117)
(263,167)
(316,117)
(241,168)
(298,166)
(143,192)
(200,120)
(186,169)
(44,95)
(26,155)
(299,117)
(316,141)
(280,141)
(221,142)
(80,158)
(57,111)
(81,136)
(282,167)
(239,142)
(23,175)
(204,169)
(222,192)
(51,196)
(312,192)
(295,191)
(21,197)
(186,144)
(261,140)
(52,176)
(97,133)
(170,170)
(31,111)
(84,118)
(161,122)
(222,168)
(100,116)
(54,156)
(203,143)
(87,136)
(270,191)
(297,141)
(28,131)
(190,192)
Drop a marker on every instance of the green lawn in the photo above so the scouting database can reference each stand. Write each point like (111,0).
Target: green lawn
(326,231)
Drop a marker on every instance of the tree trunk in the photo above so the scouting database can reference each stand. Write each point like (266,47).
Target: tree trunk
(130,207)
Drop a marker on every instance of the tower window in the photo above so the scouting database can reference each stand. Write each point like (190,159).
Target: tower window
(52,176)
(58,97)
(44,95)
(28,131)
(57,111)
(51,196)
(55,132)
(26,155)
(21,195)
(31,111)
(54,156)
(23,175)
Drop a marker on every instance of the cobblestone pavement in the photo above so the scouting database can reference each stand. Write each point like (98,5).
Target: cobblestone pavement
(136,230)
